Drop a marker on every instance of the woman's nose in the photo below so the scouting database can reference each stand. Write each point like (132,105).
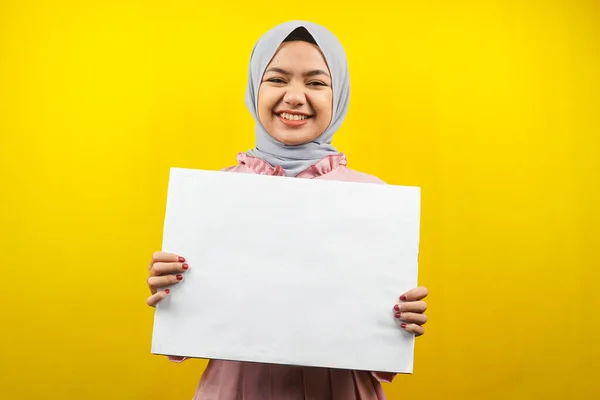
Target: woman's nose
(295,96)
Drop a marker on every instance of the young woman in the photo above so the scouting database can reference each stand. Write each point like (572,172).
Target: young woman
(298,93)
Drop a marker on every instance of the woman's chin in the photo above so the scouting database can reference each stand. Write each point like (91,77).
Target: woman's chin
(292,138)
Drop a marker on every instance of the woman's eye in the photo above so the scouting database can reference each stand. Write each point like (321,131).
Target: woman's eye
(276,80)
(316,83)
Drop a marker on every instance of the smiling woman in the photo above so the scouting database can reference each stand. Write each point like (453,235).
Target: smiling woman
(491,107)
(298,93)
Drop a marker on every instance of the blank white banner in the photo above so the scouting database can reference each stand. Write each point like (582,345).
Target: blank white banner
(289,271)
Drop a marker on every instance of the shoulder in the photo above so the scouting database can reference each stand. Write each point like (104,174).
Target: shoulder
(343,173)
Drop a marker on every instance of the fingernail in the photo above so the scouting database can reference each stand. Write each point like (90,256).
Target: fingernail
(185,266)
(181,259)
(167,291)
(397,315)
(179,277)
(403,297)
(403,326)
(397,307)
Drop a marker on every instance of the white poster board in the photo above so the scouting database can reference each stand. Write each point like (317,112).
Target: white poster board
(289,271)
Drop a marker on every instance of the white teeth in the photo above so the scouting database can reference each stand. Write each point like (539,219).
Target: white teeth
(293,117)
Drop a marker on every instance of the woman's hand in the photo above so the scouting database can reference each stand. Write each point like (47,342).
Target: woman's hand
(410,310)
(166,269)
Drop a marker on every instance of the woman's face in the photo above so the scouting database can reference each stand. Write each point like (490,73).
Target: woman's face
(295,99)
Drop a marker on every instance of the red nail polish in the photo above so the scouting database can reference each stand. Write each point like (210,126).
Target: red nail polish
(403,297)
(397,307)
(179,277)
(397,315)
(185,266)
(181,259)
(403,326)
(167,291)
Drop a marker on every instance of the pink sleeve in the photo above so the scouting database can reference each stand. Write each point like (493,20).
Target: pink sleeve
(386,377)
(176,359)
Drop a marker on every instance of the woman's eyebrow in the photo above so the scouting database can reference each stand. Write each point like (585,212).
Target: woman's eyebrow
(316,72)
(309,73)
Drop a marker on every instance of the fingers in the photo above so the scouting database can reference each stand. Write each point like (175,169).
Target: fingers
(153,300)
(416,294)
(157,282)
(163,257)
(409,311)
(165,268)
(417,330)
(413,318)
(413,306)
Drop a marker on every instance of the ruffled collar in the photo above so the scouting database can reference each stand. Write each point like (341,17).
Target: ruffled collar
(322,167)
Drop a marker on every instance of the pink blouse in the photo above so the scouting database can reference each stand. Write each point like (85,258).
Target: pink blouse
(232,380)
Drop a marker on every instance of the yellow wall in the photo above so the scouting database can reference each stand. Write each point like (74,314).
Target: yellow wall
(493,108)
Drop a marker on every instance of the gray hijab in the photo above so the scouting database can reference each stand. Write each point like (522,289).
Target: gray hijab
(295,159)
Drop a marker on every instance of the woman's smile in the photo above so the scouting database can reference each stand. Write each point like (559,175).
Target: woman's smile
(293,118)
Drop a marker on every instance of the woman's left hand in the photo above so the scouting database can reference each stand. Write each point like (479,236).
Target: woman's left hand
(410,310)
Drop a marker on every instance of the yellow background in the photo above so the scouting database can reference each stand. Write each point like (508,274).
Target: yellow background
(493,108)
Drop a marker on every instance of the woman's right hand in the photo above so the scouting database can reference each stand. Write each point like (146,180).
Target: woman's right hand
(166,269)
